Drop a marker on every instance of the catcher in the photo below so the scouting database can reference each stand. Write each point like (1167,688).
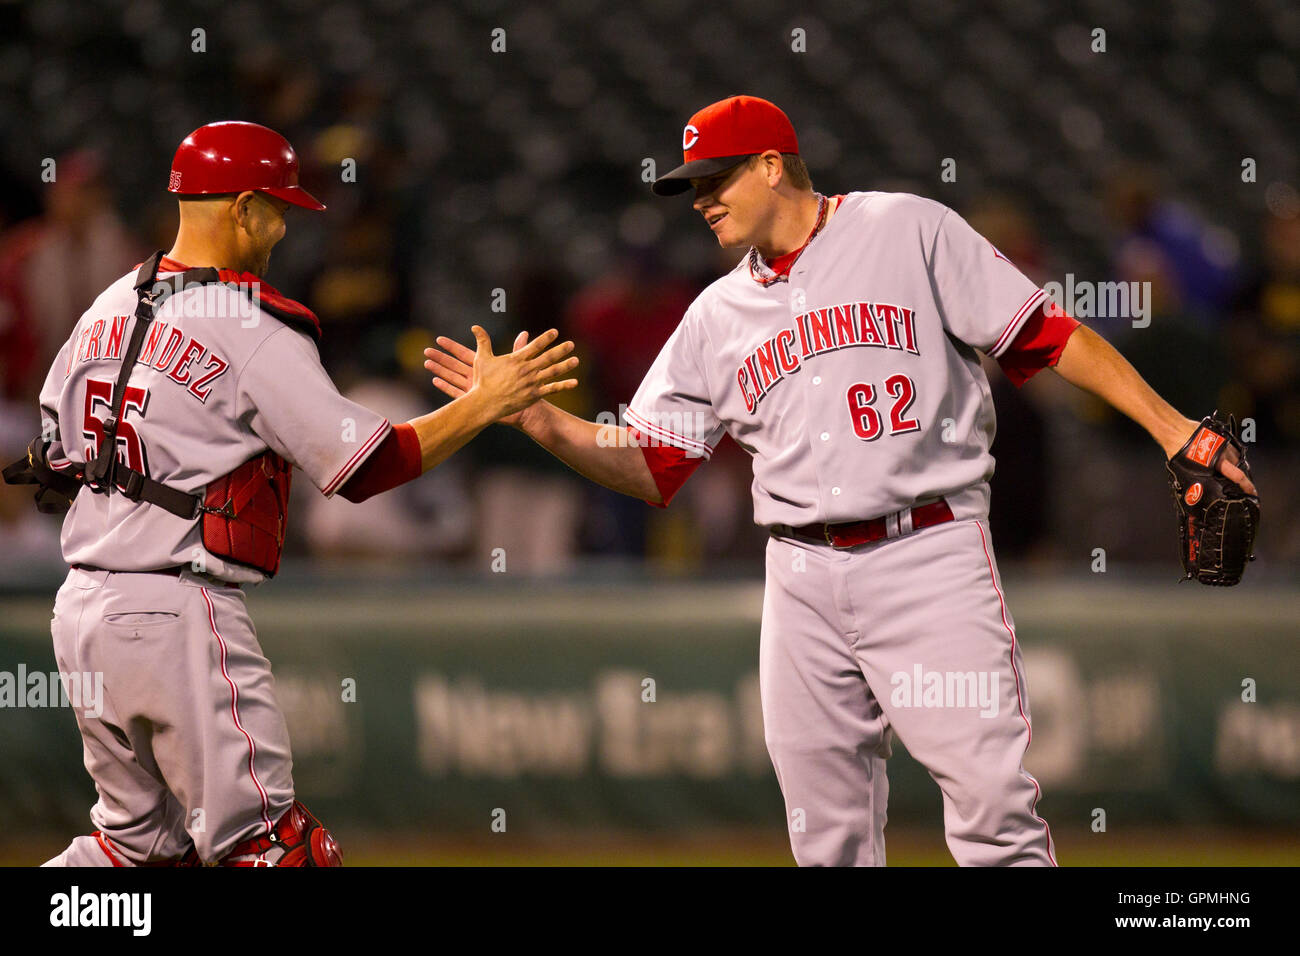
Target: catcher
(176,410)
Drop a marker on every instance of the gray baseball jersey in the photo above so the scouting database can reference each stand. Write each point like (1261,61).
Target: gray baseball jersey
(218,381)
(855,385)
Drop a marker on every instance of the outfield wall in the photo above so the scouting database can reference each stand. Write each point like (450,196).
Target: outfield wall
(434,707)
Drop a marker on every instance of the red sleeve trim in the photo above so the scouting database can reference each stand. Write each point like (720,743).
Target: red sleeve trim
(1015,325)
(1038,344)
(669,465)
(639,424)
(355,461)
(396,461)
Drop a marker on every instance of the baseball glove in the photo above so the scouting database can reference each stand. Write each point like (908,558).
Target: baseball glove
(1216,519)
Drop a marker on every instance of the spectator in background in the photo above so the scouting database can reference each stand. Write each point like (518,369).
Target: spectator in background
(358,290)
(1199,259)
(1186,270)
(624,318)
(1022,483)
(1264,384)
(431,518)
(1264,337)
(620,321)
(530,505)
(52,267)
(360,263)
(17,339)
(30,539)
(356,268)
(1180,353)
(712,522)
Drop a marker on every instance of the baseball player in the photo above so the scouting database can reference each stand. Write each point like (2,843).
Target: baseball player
(841,353)
(176,410)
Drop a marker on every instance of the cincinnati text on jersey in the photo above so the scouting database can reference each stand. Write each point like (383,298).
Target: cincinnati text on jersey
(867,324)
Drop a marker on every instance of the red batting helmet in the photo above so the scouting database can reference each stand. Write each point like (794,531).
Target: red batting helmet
(231,157)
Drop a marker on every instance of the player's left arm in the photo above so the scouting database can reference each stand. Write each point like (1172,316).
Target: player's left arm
(1090,362)
(989,304)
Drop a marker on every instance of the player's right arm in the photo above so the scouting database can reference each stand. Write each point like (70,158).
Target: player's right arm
(605,454)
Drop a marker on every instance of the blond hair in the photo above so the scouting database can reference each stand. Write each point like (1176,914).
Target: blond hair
(796,172)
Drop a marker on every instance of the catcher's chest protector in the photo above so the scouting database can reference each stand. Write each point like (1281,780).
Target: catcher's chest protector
(245,513)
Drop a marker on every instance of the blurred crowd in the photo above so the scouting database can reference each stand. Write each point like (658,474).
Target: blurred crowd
(447,216)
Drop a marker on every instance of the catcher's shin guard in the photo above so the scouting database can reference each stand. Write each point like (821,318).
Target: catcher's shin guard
(299,839)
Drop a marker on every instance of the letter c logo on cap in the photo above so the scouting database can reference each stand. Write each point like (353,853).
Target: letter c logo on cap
(690,136)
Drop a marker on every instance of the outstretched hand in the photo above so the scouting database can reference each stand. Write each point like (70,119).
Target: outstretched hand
(457,369)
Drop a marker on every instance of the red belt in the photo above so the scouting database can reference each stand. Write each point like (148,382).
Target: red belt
(851,534)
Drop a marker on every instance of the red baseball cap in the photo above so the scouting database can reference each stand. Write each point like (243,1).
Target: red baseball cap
(725,133)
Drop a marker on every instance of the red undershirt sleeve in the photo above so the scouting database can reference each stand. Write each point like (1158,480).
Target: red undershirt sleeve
(669,465)
(396,461)
(1038,344)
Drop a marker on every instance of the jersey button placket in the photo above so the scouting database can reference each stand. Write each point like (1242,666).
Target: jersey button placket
(798,306)
(798,303)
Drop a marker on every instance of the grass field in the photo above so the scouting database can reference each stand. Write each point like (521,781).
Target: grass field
(905,848)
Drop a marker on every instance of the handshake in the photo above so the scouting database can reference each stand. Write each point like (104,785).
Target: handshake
(505,385)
